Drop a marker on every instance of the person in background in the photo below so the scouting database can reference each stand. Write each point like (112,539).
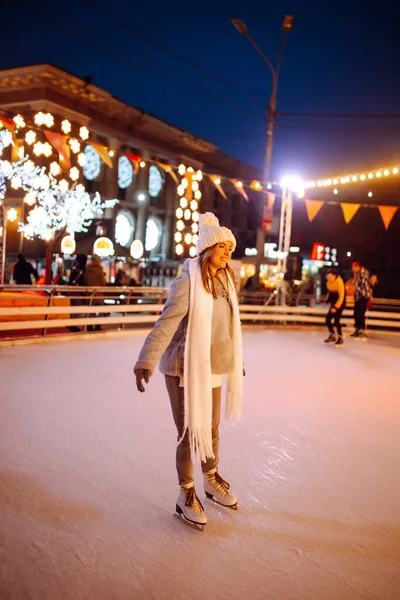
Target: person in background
(77,278)
(59,277)
(23,271)
(362,295)
(337,298)
(94,277)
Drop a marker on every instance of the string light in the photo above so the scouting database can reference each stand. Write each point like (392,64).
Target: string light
(84,133)
(178,237)
(80,188)
(386,172)
(55,169)
(81,159)
(30,198)
(179,213)
(66,126)
(195,227)
(29,166)
(195,186)
(75,145)
(44,119)
(63,185)
(30,137)
(239,184)
(74,174)
(181,169)
(335,191)
(19,121)
(197,195)
(184,203)
(194,205)
(16,182)
(180,225)
(370,194)
(111,153)
(188,214)
(179,249)
(188,238)
(196,217)
(378,174)
(142,164)
(192,251)
(12,215)
(217,181)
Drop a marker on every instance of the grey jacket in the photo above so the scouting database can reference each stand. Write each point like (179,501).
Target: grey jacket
(167,339)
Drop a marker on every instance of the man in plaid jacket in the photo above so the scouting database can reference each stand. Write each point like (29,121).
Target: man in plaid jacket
(362,295)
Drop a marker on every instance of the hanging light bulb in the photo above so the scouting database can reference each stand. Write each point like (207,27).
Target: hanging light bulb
(29,166)
(188,238)
(16,182)
(39,118)
(199,175)
(49,120)
(180,225)
(19,121)
(63,185)
(179,213)
(84,133)
(188,214)
(195,186)
(195,237)
(181,190)
(184,183)
(74,174)
(80,188)
(178,237)
(195,227)
(75,145)
(197,195)
(55,168)
(184,203)
(179,249)
(181,169)
(30,198)
(37,148)
(12,215)
(66,126)
(30,137)
(81,159)
(47,149)
(194,205)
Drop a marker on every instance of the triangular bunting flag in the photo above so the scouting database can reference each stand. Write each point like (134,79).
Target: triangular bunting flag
(217,182)
(387,214)
(135,159)
(102,151)
(271,200)
(168,169)
(59,143)
(313,207)
(349,210)
(239,186)
(10,125)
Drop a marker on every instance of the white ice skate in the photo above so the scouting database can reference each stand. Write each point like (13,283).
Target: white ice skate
(218,490)
(189,507)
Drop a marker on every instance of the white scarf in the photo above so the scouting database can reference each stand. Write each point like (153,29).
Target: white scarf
(197,371)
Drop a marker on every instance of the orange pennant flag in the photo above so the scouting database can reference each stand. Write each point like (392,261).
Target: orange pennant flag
(59,143)
(256,185)
(217,182)
(102,151)
(271,200)
(313,207)
(239,186)
(349,210)
(387,214)
(10,125)
(168,169)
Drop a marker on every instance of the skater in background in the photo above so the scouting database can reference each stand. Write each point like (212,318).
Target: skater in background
(362,296)
(337,299)
(24,271)
(198,338)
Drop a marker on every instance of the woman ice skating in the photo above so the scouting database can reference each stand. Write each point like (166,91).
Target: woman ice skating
(198,338)
(336,296)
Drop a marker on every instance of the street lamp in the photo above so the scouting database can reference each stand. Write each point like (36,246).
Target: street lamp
(271,114)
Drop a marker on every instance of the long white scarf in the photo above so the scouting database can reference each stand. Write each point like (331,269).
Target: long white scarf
(197,371)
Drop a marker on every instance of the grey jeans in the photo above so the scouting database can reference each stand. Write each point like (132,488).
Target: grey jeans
(184,463)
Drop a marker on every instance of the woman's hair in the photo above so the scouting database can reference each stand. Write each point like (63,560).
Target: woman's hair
(334,272)
(206,275)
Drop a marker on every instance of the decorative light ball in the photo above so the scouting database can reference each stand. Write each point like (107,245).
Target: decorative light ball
(192,251)
(81,159)
(199,175)
(195,237)
(181,169)
(84,133)
(19,121)
(55,168)
(188,214)
(80,188)
(92,168)
(12,215)
(142,164)
(195,228)
(181,190)
(68,245)
(30,198)
(63,185)
(111,153)
(195,186)
(29,166)
(194,205)
(179,213)
(190,170)
(6,168)
(197,195)
(16,182)
(75,145)
(178,237)
(188,238)
(74,174)
(184,203)
(37,148)
(39,118)
(125,172)
(137,249)
(179,249)
(30,137)
(47,149)
(66,126)
(196,217)
(180,225)
(49,120)
(184,183)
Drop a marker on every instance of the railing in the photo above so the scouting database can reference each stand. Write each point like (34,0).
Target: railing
(35,310)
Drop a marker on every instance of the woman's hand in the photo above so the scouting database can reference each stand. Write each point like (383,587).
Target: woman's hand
(140,375)
(333,309)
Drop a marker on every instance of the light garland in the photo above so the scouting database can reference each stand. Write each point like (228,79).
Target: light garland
(187,212)
(352,178)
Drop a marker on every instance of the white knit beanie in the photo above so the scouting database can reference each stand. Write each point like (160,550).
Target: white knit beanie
(211,233)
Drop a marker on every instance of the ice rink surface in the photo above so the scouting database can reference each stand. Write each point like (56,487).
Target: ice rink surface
(88,483)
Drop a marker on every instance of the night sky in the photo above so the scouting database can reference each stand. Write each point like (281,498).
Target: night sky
(340,57)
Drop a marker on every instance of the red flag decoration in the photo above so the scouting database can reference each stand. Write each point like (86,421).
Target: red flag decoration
(10,125)
(387,214)
(267,219)
(59,143)
(135,159)
(102,151)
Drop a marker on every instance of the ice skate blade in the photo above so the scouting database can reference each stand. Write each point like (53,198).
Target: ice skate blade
(211,497)
(197,526)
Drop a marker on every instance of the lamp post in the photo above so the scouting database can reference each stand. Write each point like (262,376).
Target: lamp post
(271,114)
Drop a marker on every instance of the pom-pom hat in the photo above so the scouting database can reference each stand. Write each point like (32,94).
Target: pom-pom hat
(211,233)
